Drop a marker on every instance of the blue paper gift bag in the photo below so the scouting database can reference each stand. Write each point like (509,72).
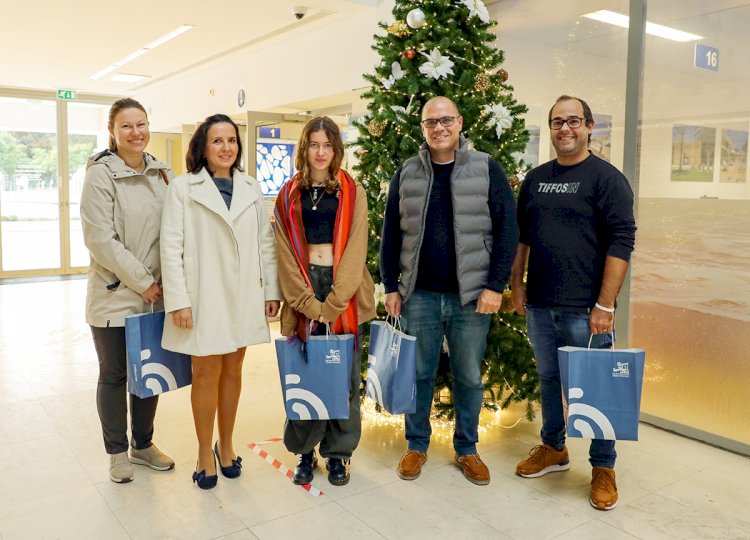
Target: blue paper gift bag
(603,390)
(315,376)
(151,369)
(392,368)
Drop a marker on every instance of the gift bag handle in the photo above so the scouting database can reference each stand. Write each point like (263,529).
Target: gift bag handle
(591,337)
(395,322)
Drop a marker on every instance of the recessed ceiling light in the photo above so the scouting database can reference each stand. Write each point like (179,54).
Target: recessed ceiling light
(126,77)
(143,50)
(623,21)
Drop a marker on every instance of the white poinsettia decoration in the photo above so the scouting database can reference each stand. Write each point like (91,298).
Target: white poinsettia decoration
(477,9)
(437,65)
(396,74)
(499,117)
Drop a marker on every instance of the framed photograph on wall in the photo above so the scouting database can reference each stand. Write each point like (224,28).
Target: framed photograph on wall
(530,155)
(601,138)
(275,165)
(733,156)
(693,152)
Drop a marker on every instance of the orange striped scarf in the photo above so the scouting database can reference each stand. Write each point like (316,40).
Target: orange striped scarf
(288,213)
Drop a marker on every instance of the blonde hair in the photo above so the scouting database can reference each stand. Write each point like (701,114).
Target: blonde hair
(325,124)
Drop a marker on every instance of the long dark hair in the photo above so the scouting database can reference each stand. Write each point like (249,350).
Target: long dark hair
(114,110)
(195,159)
(329,127)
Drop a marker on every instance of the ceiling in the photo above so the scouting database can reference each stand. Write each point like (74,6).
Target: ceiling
(48,44)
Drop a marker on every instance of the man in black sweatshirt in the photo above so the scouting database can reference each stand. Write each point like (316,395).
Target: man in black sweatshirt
(448,242)
(577,231)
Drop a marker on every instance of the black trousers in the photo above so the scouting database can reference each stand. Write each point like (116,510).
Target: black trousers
(337,438)
(111,392)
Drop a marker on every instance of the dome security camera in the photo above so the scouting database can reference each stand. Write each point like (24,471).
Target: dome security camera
(299,12)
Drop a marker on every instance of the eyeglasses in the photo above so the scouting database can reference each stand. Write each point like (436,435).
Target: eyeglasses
(445,121)
(573,122)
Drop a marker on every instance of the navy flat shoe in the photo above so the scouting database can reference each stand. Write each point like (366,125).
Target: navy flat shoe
(203,481)
(234,470)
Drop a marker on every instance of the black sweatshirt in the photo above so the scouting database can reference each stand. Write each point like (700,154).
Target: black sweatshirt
(436,270)
(572,218)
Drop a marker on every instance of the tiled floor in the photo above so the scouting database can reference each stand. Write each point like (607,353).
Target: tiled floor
(54,482)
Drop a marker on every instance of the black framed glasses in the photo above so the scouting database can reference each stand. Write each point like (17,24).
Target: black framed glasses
(445,121)
(572,121)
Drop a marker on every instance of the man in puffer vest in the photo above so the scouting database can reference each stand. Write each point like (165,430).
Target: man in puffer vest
(448,241)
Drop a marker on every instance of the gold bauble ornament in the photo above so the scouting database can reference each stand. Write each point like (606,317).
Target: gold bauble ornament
(399,28)
(482,82)
(503,74)
(409,54)
(376,127)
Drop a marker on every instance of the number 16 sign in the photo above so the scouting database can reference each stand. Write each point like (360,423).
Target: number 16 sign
(706,57)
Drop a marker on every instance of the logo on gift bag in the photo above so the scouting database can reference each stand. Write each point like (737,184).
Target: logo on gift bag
(156,377)
(621,370)
(590,417)
(304,401)
(333,356)
(395,348)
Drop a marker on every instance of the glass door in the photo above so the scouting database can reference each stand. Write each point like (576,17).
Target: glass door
(29,187)
(87,135)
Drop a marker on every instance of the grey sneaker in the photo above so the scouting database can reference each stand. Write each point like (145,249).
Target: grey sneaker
(120,469)
(152,457)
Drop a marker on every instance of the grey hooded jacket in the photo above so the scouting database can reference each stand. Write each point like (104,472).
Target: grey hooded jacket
(121,218)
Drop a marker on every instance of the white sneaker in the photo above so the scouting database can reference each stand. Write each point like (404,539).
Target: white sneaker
(152,457)
(120,469)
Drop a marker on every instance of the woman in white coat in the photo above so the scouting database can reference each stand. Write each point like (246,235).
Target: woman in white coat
(220,283)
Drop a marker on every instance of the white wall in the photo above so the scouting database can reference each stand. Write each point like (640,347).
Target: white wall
(328,59)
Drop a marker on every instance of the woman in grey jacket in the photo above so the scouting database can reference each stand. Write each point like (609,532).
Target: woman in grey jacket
(121,206)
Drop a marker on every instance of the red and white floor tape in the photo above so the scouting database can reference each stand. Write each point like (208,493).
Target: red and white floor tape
(276,464)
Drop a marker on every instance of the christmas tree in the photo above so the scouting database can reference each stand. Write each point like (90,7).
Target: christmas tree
(444,48)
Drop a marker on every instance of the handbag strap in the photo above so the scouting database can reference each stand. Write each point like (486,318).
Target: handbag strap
(164,176)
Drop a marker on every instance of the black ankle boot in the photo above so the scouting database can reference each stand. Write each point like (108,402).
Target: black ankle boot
(303,472)
(338,471)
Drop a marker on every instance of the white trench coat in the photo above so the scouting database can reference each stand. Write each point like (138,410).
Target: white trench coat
(220,262)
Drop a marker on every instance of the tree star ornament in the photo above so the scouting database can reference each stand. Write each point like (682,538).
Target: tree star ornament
(437,65)
(477,9)
(499,117)
(415,18)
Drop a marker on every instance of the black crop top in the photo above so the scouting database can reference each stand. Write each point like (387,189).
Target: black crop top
(319,214)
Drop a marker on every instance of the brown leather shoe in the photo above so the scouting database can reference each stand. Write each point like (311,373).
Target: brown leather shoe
(410,465)
(603,488)
(474,469)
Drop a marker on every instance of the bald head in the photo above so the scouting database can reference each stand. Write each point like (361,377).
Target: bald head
(444,132)
(443,102)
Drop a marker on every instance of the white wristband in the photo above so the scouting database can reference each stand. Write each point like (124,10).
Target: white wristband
(597,305)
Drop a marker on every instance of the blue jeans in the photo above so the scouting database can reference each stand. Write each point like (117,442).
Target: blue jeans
(550,329)
(429,317)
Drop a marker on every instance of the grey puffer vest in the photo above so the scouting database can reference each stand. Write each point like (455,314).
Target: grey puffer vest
(472,224)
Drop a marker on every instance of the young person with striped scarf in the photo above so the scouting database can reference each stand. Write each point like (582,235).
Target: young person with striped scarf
(321,241)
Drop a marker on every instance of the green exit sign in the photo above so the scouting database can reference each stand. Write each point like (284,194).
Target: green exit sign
(67,95)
